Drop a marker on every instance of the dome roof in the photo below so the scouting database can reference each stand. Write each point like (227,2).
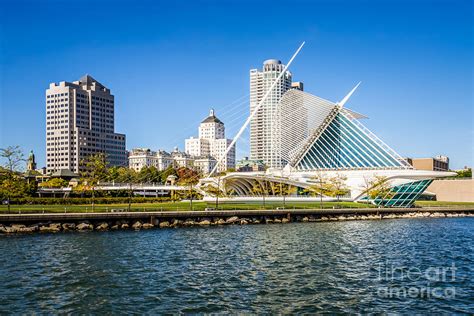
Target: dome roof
(212,118)
(272,61)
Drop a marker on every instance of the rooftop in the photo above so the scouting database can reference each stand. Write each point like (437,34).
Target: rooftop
(212,118)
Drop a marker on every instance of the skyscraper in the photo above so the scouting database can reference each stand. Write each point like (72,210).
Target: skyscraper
(80,122)
(264,140)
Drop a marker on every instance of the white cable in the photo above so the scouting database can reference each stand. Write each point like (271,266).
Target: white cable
(247,122)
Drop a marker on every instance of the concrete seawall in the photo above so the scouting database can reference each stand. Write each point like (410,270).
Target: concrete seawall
(56,222)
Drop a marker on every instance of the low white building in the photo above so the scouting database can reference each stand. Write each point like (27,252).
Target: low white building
(144,157)
(141,157)
(181,159)
(204,164)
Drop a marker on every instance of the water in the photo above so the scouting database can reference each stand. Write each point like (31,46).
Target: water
(292,268)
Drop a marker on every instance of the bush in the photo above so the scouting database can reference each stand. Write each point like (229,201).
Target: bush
(97,200)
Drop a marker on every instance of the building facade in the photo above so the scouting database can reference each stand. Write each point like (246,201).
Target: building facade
(161,160)
(139,158)
(331,144)
(80,122)
(438,163)
(144,157)
(246,165)
(212,143)
(204,164)
(264,126)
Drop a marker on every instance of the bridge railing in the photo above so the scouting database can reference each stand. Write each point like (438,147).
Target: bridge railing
(135,185)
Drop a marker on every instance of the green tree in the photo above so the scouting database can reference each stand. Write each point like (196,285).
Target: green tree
(95,170)
(54,183)
(154,175)
(113,174)
(465,173)
(12,184)
(168,172)
(149,175)
(126,175)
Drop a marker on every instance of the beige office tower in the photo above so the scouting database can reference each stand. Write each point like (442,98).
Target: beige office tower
(79,123)
(263,143)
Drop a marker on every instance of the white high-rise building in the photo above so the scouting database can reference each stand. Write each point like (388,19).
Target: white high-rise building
(212,142)
(80,122)
(264,140)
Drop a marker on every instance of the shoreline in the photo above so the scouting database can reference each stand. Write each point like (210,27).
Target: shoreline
(68,222)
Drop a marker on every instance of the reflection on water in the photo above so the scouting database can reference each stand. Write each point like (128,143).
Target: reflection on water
(358,266)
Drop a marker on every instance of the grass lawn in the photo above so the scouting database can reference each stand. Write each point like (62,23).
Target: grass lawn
(176,206)
(441,203)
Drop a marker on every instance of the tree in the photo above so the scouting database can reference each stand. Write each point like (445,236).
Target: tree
(380,188)
(54,183)
(377,187)
(188,177)
(286,189)
(321,186)
(13,156)
(260,189)
(216,191)
(128,176)
(154,175)
(465,173)
(149,175)
(12,185)
(185,175)
(113,174)
(95,170)
(168,172)
(337,186)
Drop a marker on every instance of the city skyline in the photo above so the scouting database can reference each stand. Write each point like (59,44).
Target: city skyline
(420,103)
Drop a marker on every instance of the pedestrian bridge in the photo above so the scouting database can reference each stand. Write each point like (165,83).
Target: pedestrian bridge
(139,187)
(144,189)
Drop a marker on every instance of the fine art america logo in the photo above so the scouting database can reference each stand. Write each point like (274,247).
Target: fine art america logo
(432,282)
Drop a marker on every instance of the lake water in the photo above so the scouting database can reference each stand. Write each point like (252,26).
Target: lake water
(423,265)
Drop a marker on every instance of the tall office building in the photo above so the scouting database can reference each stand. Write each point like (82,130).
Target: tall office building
(212,143)
(80,122)
(264,127)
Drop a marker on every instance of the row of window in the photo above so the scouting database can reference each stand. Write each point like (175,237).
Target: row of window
(57,100)
(56,117)
(57,106)
(56,95)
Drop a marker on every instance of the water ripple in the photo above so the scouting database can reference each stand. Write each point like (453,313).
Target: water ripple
(334,267)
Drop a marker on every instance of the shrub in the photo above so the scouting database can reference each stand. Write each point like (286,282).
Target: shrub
(97,200)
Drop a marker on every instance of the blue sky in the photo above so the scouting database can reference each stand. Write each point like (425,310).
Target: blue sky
(168,62)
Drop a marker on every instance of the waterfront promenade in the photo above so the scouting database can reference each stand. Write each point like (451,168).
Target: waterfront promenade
(101,221)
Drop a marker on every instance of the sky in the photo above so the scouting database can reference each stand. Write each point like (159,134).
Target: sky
(169,62)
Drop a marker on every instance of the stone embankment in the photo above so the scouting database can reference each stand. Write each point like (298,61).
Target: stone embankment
(94,224)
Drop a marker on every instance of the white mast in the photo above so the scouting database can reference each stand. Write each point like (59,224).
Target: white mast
(247,122)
